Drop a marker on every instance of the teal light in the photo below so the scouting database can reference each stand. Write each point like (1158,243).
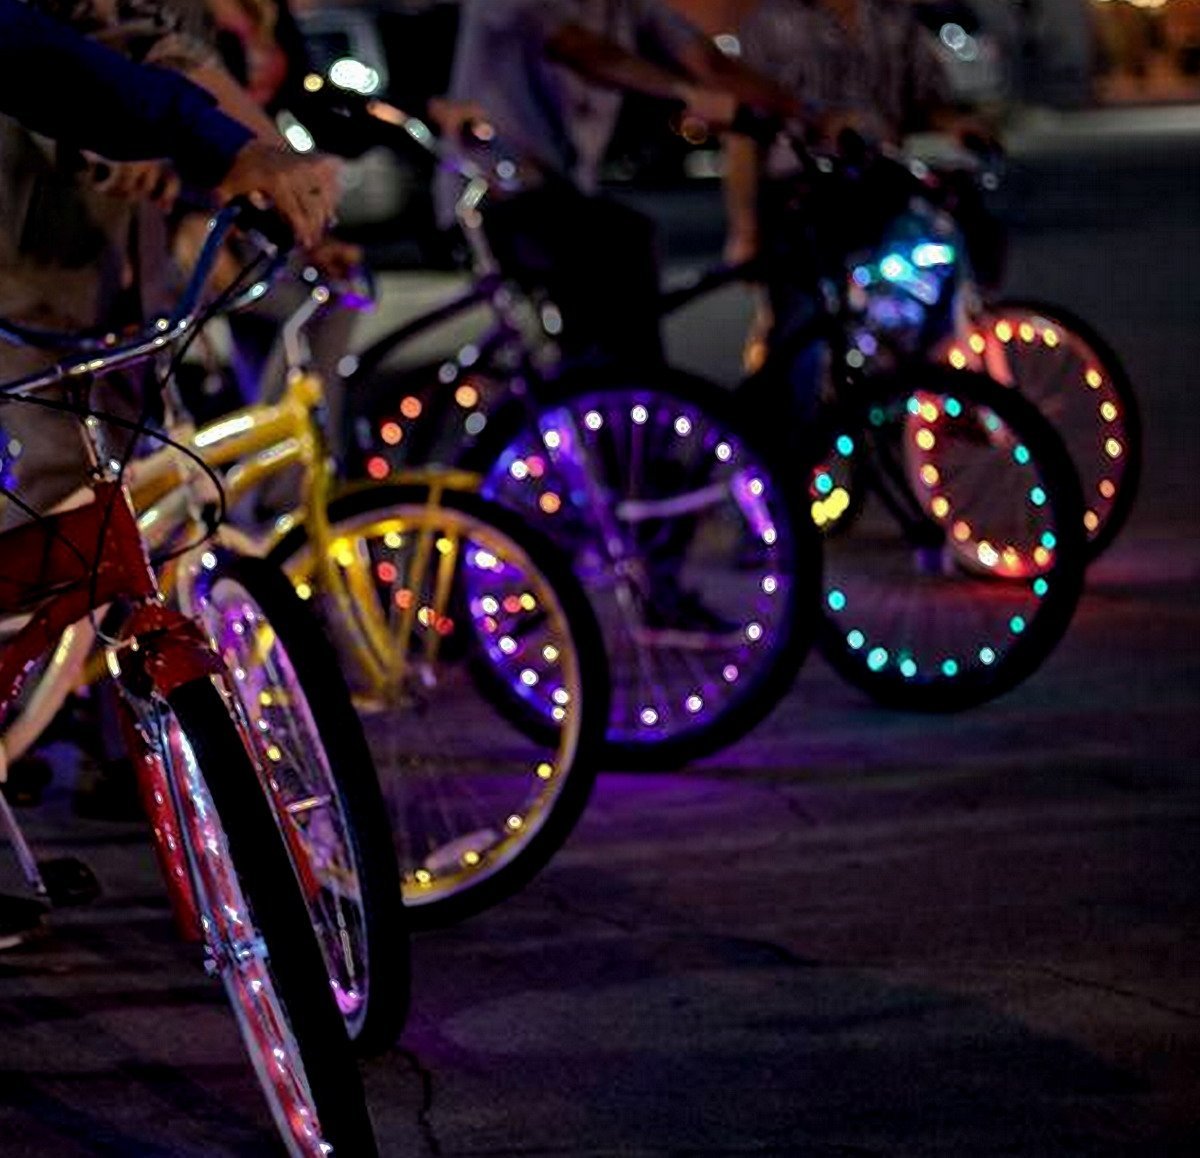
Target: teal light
(953,407)
(914,405)
(824,483)
(856,639)
(1040,587)
(908,668)
(950,668)
(877,660)
(836,601)
(987,656)
(876,416)
(845,445)
(1037,496)
(1021,454)
(1016,624)
(1049,541)
(992,423)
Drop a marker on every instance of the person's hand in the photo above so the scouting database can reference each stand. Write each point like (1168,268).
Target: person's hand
(336,259)
(454,118)
(303,186)
(714,107)
(153,181)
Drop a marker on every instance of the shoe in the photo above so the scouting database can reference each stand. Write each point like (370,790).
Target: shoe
(109,791)
(674,617)
(21,920)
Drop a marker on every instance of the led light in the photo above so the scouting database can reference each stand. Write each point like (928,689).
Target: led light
(950,668)
(730,673)
(544,771)
(724,452)
(550,503)
(694,703)
(411,407)
(836,600)
(856,639)
(1016,625)
(683,426)
(987,656)
(877,659)
(649,717)
(639,415)
(770,584)
(593,420)
(550,654)
(1113,448)
(391,433)
(1094,379)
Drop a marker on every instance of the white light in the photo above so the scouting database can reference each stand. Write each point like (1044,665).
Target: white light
(724,452)
(299,138)
(639,414)
(683,426)
(354,76)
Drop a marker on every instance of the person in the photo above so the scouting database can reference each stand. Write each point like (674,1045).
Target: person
(548,76)
(56,261)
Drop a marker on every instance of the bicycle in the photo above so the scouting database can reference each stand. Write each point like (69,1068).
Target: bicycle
(697,560)
(229,871)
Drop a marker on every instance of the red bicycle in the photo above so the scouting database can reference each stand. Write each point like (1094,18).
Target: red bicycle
(231,880)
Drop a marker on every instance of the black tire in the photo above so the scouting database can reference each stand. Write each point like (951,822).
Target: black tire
(367,940)
(910,617)
(453,771)
(674,700)
(1074,377)
(267,880)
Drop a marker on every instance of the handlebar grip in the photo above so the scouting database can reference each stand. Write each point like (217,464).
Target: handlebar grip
(264,221)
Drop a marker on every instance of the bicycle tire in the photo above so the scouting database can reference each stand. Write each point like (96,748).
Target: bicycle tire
(321,774)
(1075,378)
(471,826)
(902,618)
(748,558)
(239,854)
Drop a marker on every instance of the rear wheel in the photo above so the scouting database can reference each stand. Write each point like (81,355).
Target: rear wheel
(928,603)
(699,569)
(256,927)
(320,779)
(458,625)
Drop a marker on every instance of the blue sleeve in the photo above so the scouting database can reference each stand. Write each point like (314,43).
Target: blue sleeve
(57,82)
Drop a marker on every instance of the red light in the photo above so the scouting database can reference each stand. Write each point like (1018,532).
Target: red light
(387,572)
(378,467)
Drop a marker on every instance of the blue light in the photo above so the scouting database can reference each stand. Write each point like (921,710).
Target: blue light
(862,276)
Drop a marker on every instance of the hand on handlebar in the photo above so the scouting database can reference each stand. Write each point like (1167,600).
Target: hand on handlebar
(153,181)
(303,187)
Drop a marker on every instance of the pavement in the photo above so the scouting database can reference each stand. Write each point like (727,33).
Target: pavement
(853,933)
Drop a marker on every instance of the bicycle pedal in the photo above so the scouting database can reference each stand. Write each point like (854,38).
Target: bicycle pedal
(68,881)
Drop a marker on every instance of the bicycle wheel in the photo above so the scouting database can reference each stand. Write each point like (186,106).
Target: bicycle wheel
(701,572)
(1077,381)
(256,928)
(320,778)
(904,617)
(431,596)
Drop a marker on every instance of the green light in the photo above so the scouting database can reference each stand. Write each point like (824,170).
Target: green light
(908,668)
(877,660)
(1016,624)
(914,405)
(845,445)
(836,601)
(856,639)
(876,416)
(953,407)
(1049,541)
(1040,587)
(950,668)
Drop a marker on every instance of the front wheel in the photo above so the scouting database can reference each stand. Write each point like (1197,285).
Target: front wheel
(928,602)
(458,625)
(319,777)
(256,928)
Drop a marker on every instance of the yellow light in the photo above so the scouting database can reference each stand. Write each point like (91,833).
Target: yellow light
(1108,411)
(394,540)
(1094,379)
(929,412)
(978,343)
(274,754)
(423,876)
(1004,331)
(444,546)
(940,507)
(466,396)
(550,653)
(304,590)
(957,358)
(471,858)
(528,602)
(550,503)
(1091,520)
(1041,556)
(1027,332)
(345,557)
(313,83)
(1050,337)
(925,439)
(930,475)
(545,771)
(515,823)
(1011,557)
(962,531)
(1113,448)
(265,699)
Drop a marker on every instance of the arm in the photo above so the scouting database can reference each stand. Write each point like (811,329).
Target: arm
(743,162)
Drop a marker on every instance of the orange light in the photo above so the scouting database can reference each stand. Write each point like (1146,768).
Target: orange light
(930,475)
(1091,520)
(1107,488)
(550,503)
(466,396)
(940,507)
(411,407)
(391,433)
(403,599)
(962,531)
(1041,556)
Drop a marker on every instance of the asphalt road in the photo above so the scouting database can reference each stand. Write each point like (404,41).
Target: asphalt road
(854,933)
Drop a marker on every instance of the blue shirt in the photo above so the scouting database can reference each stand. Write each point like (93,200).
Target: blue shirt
(59,83)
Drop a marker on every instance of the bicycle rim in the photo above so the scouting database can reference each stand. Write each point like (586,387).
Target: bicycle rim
(689,549)
(442,609)
(909,616)
(1079,385)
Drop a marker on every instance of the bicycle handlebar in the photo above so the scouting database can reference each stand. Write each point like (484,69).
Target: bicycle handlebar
(105,355)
